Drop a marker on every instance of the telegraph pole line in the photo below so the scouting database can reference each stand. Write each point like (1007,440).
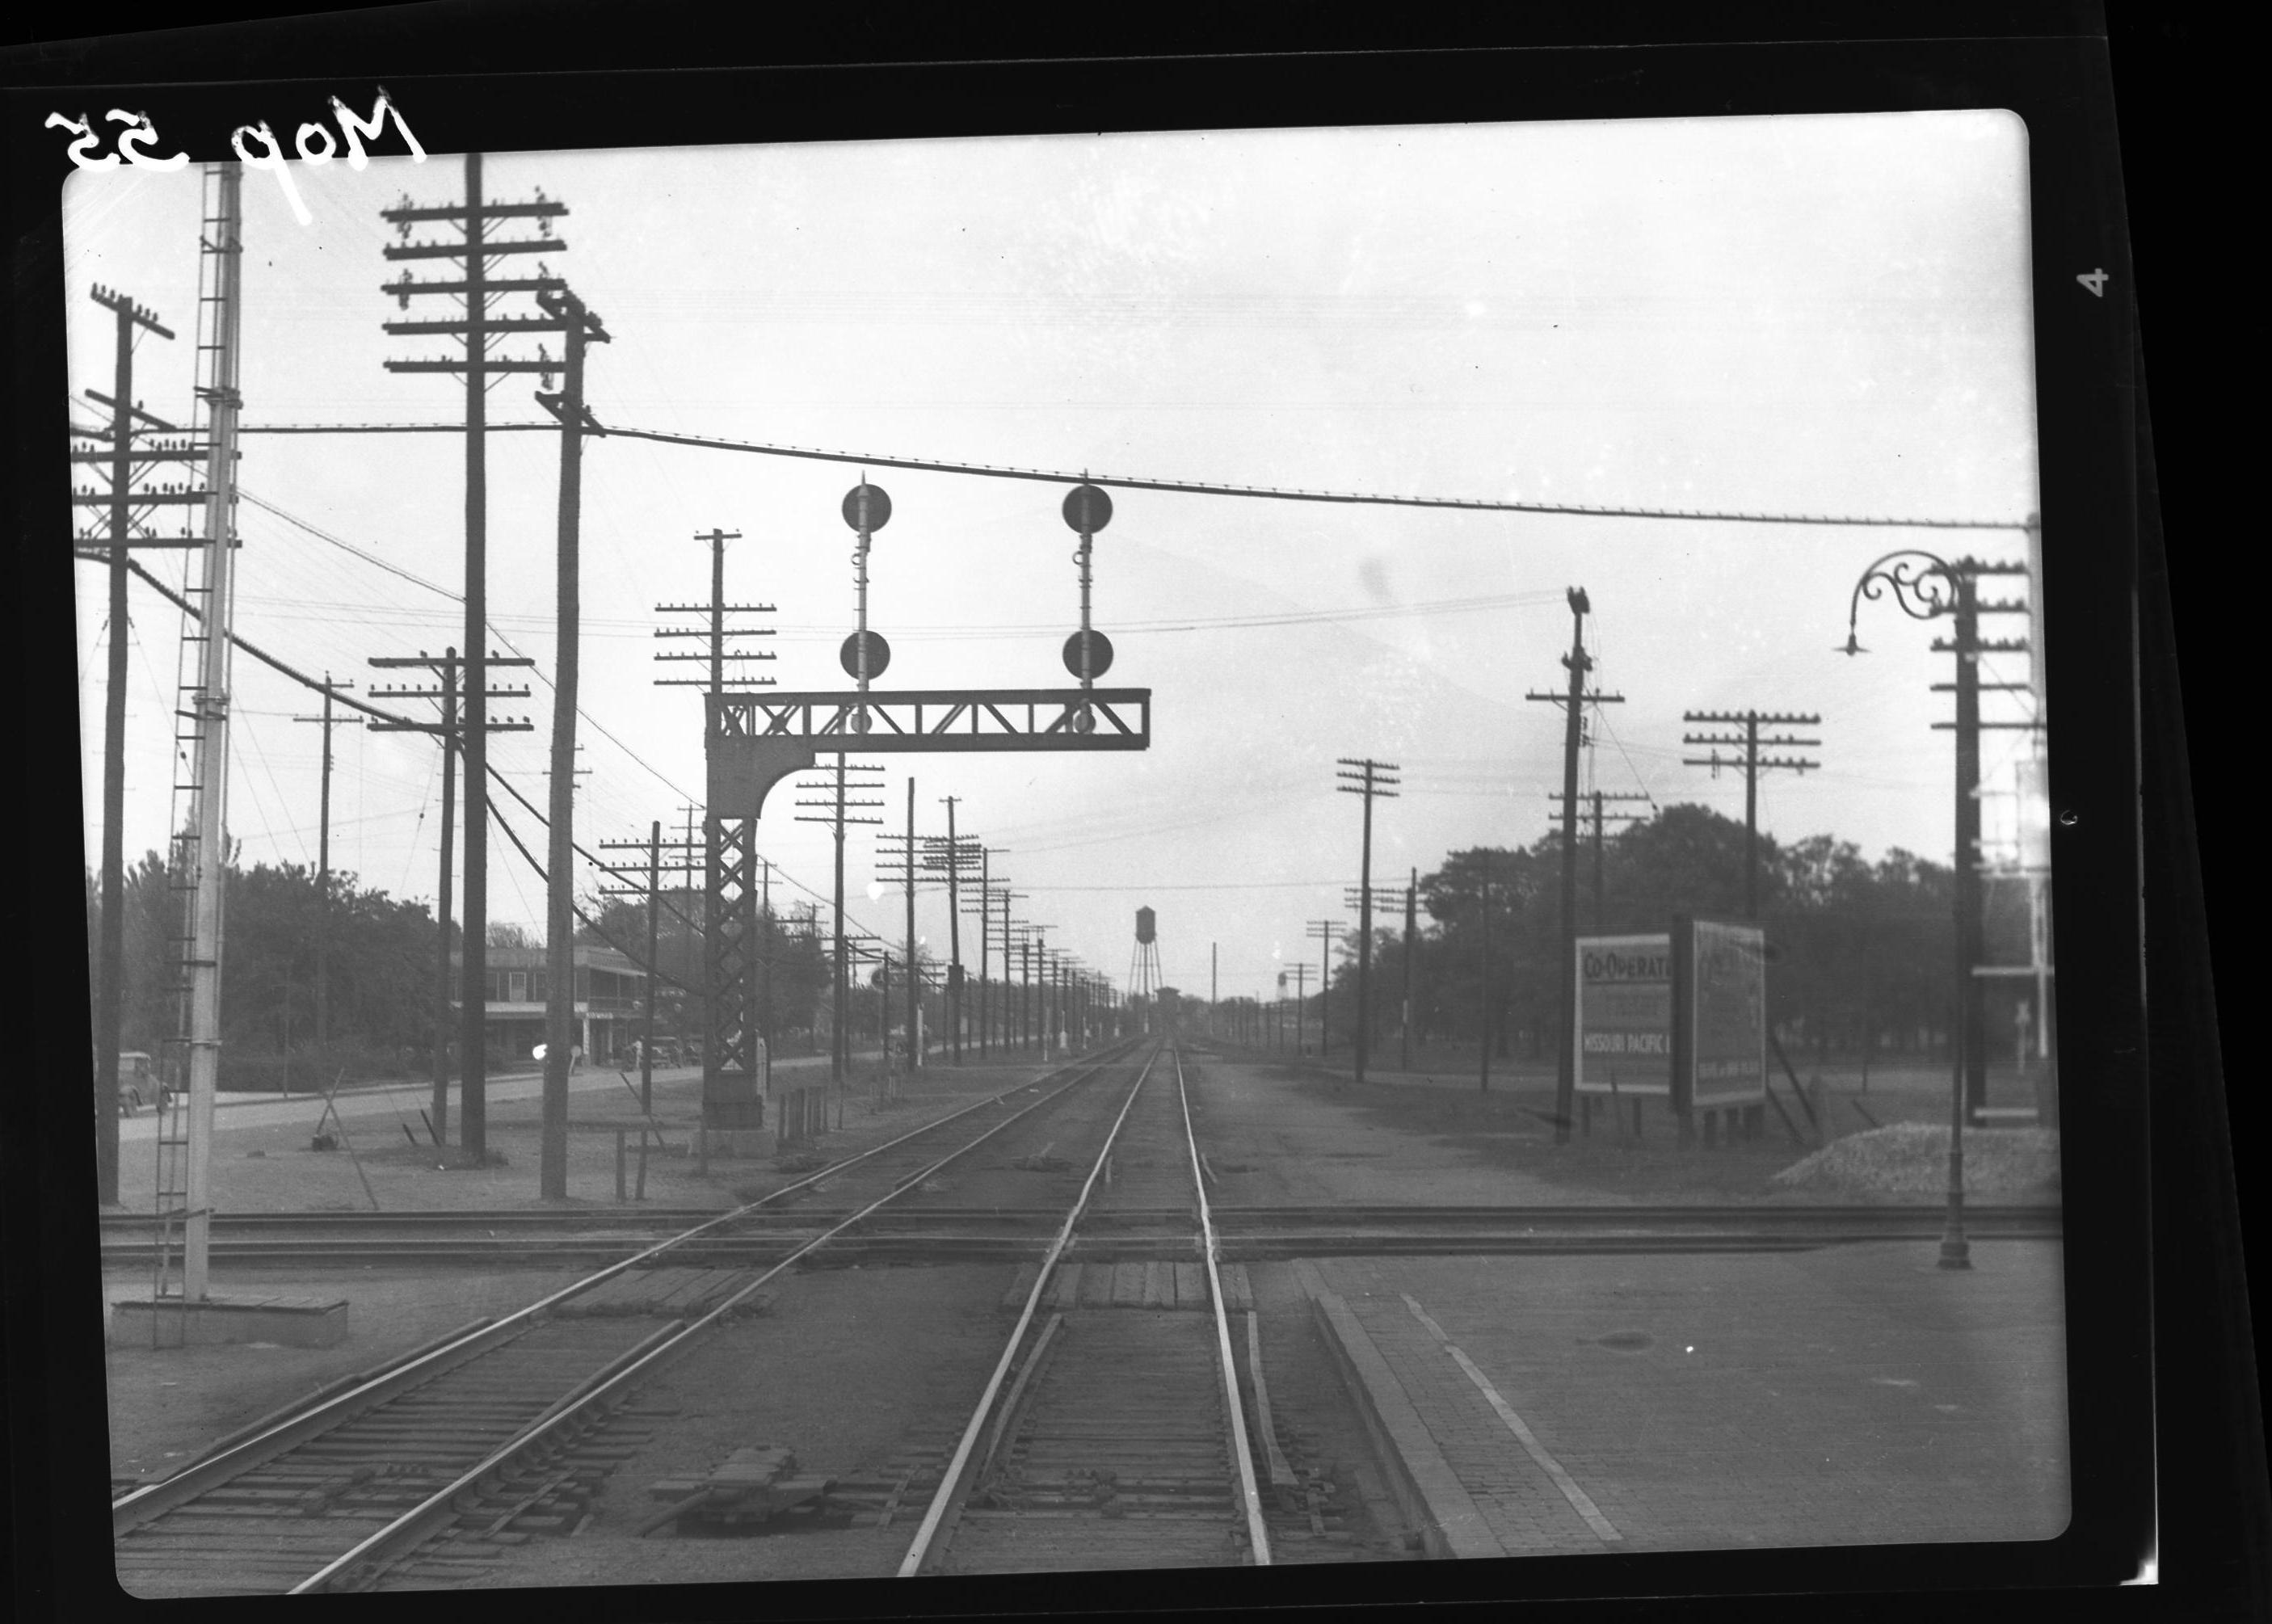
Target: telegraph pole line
(1578,662)
(682,865)
(450,730)
(122,500)
(988,890)
(1751,763)
(953,929)
(480,327)
(1373,781)
(1323,929)
(1013,1026)
(914,979)
(1301,974)
(1971,1037)
(327,722)
(1600,816)
(1411,947)
(901,858)
(1483,986)
(837,810)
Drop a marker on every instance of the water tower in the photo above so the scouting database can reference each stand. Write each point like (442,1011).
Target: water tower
(1144,965)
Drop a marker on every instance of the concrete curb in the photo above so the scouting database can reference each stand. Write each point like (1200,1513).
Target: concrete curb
(1427,1490)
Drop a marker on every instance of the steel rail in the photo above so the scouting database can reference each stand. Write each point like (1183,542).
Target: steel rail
(594,1225)
(950,1481)
(1248,1491)
(131,1510)
(413,1526)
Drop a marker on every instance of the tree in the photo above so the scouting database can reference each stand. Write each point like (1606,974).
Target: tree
(1859,952)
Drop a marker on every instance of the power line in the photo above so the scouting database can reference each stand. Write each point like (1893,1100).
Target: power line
(1191,487)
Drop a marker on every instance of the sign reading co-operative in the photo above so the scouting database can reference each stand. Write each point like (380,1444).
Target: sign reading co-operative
(1725,995)
(1624,1029)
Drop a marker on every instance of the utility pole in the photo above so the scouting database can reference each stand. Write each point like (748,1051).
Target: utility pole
(578,328)
(915,978)
(837,810)
(1361,900)
(953,929)
(716,633)
(1971,1037)
(1578,662)
(728,895)
(450,730)
(1301,974)
(122,500)
(1001,897)
(902,857)
(1483,986)
(1371,779)
(479,329)
(1411,947)
(683,866)
(1927,586)
(1323,929)
(219,346)
(1599,816)
(987,894)
(1752,764)
(1026,989)
(1215,988)
(327,722)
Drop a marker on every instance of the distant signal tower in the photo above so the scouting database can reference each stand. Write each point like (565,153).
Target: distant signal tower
(1143,964)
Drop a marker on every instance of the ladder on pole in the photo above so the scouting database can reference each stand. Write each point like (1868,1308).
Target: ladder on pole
(196,846)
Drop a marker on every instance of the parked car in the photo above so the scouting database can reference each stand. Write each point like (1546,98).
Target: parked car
(138,1082)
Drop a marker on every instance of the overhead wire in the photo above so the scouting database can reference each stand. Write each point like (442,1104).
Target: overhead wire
(1186,486)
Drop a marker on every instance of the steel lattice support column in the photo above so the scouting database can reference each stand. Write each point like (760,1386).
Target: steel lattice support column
(730,1080)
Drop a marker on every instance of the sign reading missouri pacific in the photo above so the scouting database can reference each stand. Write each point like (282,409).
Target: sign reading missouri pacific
(1623,1030)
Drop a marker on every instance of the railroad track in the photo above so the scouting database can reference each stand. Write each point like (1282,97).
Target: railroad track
(500,1432)
(964,1232)
(1105,1438)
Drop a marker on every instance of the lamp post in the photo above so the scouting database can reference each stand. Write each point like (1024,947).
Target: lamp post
(1927,586)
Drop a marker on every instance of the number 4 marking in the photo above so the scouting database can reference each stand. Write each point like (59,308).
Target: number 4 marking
(2096,280)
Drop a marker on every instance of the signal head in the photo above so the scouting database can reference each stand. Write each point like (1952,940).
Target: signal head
(1087,509)
(866,507)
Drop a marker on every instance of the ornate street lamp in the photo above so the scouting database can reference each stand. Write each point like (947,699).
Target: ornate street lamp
(1927,586)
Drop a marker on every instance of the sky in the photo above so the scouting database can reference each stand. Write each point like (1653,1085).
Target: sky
(1801,316)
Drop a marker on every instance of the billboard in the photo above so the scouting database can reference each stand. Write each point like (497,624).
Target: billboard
(1720,1049)
(1623,1034)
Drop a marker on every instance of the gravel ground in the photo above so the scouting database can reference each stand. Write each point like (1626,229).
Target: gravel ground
(845,1368)
(270,1166)
(1277,1135)
(1911,1159)
(167,1405)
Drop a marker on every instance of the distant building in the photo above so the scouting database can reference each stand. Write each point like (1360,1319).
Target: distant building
(611,1002)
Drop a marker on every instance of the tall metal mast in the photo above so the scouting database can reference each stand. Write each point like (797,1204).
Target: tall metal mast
(217,392)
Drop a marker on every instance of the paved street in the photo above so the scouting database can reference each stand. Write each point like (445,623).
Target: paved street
(1855,1394)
